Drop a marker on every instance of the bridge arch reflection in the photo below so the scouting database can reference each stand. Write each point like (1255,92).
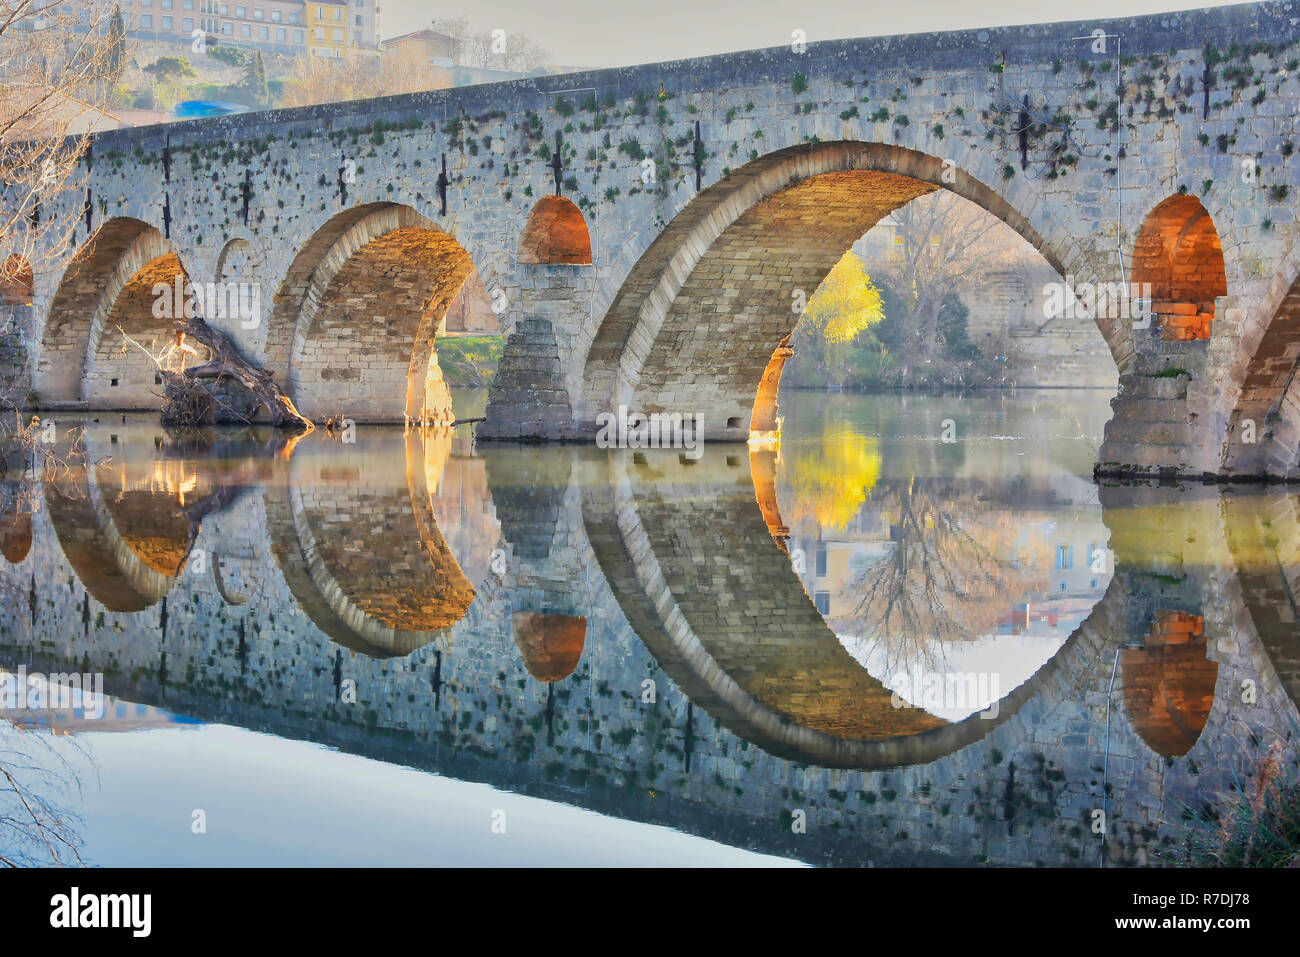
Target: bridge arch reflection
(367,560)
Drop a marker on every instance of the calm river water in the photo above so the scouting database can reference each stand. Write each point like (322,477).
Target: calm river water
(915,632)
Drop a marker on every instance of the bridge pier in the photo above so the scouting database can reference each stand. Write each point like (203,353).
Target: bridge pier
(529,399)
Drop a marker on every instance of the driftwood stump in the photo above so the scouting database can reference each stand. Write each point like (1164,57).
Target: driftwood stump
(190,400)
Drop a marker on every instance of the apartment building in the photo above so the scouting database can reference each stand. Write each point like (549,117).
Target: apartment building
(323,28)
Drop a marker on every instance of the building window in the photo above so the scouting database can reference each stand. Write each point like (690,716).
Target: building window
(263,33)
(257,14)
(166,23)
(320,33)
(338,36)
(245,30)
(1064,557)
(821,562)
(281,35)
(166,4)
(823,600)
(187,4)
(225,10)
(293,17)
(146,21)
(241,12)
(228,28)
(358,19)
(298,37)
(187,24)
(275,16)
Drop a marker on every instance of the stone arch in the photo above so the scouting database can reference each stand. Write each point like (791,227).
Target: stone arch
(109,283)
(17,281)
(366,560)
(1263,432)
(235,259)
(1178,253)
(779,677)
(1263,534)
(725,269)
(1169,683)
(353,324)
(555,234)
(123,534)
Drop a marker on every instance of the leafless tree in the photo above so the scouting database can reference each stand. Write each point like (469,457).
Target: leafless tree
(56,82)
(942,244)
(491,49)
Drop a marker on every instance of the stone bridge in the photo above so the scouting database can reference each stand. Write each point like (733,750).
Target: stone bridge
(646,232)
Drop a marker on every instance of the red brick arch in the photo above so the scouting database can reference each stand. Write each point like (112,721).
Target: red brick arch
(353,325)
(555,234)
(1179,254)
(694,326)
(1169,683)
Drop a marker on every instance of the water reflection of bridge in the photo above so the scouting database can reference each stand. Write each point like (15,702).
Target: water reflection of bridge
(609,572)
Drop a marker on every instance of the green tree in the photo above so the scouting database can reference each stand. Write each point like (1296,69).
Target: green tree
(170,69)
(116,52)
(255,80)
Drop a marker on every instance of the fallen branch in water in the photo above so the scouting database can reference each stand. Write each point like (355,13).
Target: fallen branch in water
(189,403)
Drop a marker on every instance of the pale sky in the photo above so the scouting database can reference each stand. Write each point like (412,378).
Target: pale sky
(626,32)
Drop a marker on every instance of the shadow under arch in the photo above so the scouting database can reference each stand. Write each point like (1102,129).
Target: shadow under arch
(695,567)
(378,278)
(776,225)
(108,283)
(1263,433)
(364,557)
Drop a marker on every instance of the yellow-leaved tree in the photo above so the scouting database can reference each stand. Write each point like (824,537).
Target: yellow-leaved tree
(846,302)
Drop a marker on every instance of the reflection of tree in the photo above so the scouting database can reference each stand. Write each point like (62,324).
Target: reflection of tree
(830,479)
(949,575)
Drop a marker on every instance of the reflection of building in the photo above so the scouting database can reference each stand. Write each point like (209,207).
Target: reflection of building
(834,561)
(95,712)
(1063,553)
